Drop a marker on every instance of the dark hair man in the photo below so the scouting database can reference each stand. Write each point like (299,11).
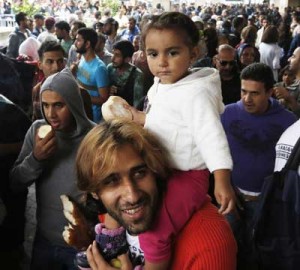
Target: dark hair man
(127,81)
(49,162)
(253,125)
(91,72)
(18,35)
(126,168)
(62,30)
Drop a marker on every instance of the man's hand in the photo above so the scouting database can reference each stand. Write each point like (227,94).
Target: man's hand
(113,90)
(224,192)
(46,147)
(281,92)
(97,262)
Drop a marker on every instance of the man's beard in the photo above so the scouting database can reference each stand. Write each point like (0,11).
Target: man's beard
(139,226)
(81,50)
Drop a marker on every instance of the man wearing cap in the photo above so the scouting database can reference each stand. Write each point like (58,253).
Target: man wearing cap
(48,35)
(39,23)
(49,163)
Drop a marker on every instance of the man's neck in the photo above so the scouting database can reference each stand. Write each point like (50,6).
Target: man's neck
(112,36)
(123,68)
(22,29)
(298,75)
(89,55)
(66,38)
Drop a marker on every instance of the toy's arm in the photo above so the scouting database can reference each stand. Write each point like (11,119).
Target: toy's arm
(79,233)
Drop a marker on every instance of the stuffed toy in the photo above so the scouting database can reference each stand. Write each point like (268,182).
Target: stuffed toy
(84,227)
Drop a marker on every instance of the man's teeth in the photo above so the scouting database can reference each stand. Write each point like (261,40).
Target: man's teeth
(132,211)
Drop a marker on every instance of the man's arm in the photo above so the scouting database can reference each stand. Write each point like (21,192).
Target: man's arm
(104,94)
(29,164)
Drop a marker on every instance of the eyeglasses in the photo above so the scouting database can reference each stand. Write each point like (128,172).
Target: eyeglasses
(224,63)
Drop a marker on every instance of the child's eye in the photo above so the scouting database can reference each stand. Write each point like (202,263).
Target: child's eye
(152,55)
(173,53)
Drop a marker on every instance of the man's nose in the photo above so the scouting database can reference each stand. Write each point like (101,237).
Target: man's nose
(50,112)
(131,191)
(247,97)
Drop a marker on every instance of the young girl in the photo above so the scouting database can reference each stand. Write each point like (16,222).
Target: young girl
(184,113)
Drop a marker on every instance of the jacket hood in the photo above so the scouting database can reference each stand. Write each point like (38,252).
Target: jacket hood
(207,75)
(198,78)
(66,86)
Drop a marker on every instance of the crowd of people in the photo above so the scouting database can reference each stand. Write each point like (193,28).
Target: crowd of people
(210,91)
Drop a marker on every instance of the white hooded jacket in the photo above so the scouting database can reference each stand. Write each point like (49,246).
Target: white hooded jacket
(186,118)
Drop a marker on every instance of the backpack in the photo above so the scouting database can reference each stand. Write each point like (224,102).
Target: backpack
(276,228)
(16,79)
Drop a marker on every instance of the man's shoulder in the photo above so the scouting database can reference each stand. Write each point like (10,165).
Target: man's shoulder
(207,230)
(232,108)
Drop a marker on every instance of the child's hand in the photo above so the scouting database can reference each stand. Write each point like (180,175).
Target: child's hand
(97,262)
(224,192)
(137,116)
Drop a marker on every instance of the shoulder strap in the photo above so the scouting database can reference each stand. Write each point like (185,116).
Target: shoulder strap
(294,158)
(130,77)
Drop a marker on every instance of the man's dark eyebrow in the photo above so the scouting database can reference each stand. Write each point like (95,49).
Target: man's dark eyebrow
(135,168)
(138,167)
(55,103)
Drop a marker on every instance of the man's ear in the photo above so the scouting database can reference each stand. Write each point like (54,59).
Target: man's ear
(40,65)
(87,44)
(127,59)
(95,196)
(270,92)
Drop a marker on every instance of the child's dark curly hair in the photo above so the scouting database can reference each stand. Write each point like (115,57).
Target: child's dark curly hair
(175,21)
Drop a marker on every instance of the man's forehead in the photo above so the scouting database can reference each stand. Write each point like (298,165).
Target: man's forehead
(51,96)
(53,55)
(226,54)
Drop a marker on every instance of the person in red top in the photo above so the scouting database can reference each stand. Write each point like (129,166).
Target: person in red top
(126,168)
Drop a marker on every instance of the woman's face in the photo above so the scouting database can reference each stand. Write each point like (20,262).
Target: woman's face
(248,56)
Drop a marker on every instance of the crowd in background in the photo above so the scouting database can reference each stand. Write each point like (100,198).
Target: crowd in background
(105,53)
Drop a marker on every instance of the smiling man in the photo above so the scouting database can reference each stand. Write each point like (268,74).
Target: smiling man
(126,167)
(49,162)
(253,125)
